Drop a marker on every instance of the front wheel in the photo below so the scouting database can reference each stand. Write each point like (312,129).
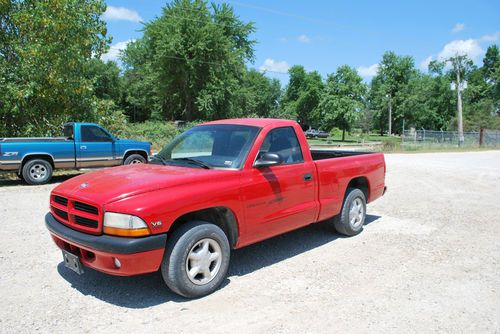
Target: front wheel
(351,219)
(196,259)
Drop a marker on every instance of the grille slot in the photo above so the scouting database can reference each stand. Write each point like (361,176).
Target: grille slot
(61,200)
(85,208)
(61,213)
(86,222)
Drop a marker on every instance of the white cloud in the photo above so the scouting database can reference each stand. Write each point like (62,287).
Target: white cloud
(424,65)
(458,27)
(272,65)
(491,37)
(114,50)
(304,39)
(469,47)
(369,71)
(121,14)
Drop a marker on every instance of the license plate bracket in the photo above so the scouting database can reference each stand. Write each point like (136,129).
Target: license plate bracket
(72,262)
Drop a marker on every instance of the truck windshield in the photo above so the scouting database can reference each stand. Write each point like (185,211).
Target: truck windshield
(210,146)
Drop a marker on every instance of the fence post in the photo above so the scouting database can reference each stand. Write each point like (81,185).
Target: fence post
(481,134)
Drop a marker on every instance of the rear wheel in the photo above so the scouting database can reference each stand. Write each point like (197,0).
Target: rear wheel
(196,259)
(351,219)
(134,159)
(37,171)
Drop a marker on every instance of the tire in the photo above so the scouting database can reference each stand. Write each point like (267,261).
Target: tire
(37,171)
(134,159)
(190,239)
(348,224)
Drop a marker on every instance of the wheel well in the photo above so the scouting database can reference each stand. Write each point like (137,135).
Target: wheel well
(36,156)
(142,153)
(220,216)
(360,183)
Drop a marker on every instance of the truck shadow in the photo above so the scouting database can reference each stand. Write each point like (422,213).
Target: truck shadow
(14,181)
(148,290)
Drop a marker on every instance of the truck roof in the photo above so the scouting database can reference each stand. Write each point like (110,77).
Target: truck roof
(260,122)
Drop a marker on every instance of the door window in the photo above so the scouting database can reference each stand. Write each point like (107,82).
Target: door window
(92,133)
(284,142)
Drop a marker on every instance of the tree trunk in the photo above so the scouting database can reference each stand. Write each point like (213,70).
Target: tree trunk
(343,134)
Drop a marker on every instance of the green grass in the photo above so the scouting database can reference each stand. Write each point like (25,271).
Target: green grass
(393,144)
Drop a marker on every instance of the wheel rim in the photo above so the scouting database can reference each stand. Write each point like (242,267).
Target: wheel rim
(356,213)
(204,261)
(38,172)
(135,161)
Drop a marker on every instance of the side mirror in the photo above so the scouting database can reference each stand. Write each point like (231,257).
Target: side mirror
(268,159)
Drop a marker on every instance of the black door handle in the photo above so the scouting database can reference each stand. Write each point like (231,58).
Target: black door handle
(308,177)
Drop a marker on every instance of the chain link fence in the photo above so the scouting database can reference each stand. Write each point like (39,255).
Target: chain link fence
(450,138)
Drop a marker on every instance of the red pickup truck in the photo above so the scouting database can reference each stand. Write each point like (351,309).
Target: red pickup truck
(218,186)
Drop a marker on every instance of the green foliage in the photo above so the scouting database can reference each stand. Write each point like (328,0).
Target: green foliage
(105,77)
(342,100)
(191,59)
(302,96)
(256,96)
(44,49)
(159,133)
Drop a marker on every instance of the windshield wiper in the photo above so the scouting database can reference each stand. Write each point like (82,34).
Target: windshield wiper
(195,162)
(162,159)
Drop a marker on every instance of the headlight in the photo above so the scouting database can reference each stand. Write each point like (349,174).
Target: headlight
(124,225)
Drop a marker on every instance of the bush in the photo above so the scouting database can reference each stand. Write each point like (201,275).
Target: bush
(158,133)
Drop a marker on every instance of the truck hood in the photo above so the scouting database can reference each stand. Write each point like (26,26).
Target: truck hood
(112,184)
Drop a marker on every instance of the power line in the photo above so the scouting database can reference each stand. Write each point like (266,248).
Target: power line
(301,17)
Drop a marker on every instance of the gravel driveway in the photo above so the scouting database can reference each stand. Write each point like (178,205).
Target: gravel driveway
(428,260)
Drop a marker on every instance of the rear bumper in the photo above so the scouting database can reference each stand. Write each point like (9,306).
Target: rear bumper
(136,255)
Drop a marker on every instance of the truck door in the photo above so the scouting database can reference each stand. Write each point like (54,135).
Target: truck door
(282,197)
(96,147)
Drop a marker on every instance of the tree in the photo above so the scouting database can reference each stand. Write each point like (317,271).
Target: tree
(191,59)
(105,77)
(302,95)
(342,100)
(44,49)
(491,72)
(257,96)
(388,90)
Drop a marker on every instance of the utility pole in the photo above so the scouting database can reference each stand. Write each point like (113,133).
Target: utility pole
(459,107)
(457,66)
(390,114)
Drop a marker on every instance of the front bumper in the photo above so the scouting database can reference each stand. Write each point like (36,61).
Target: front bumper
(136,255)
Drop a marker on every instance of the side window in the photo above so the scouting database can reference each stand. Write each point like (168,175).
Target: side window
(92,133)
(283,141)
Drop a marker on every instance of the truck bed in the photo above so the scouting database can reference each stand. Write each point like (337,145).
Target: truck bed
(330,154)
(33,139)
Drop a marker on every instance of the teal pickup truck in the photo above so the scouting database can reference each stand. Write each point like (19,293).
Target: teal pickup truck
(84,145)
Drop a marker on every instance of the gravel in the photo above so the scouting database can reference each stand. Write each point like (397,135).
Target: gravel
(428,260)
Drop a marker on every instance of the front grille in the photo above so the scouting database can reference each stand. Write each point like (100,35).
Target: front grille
(77,215)
(85,208)
(60,213)
(61,200)
(86,222)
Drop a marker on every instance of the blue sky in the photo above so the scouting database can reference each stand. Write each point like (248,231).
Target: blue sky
(322,35)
